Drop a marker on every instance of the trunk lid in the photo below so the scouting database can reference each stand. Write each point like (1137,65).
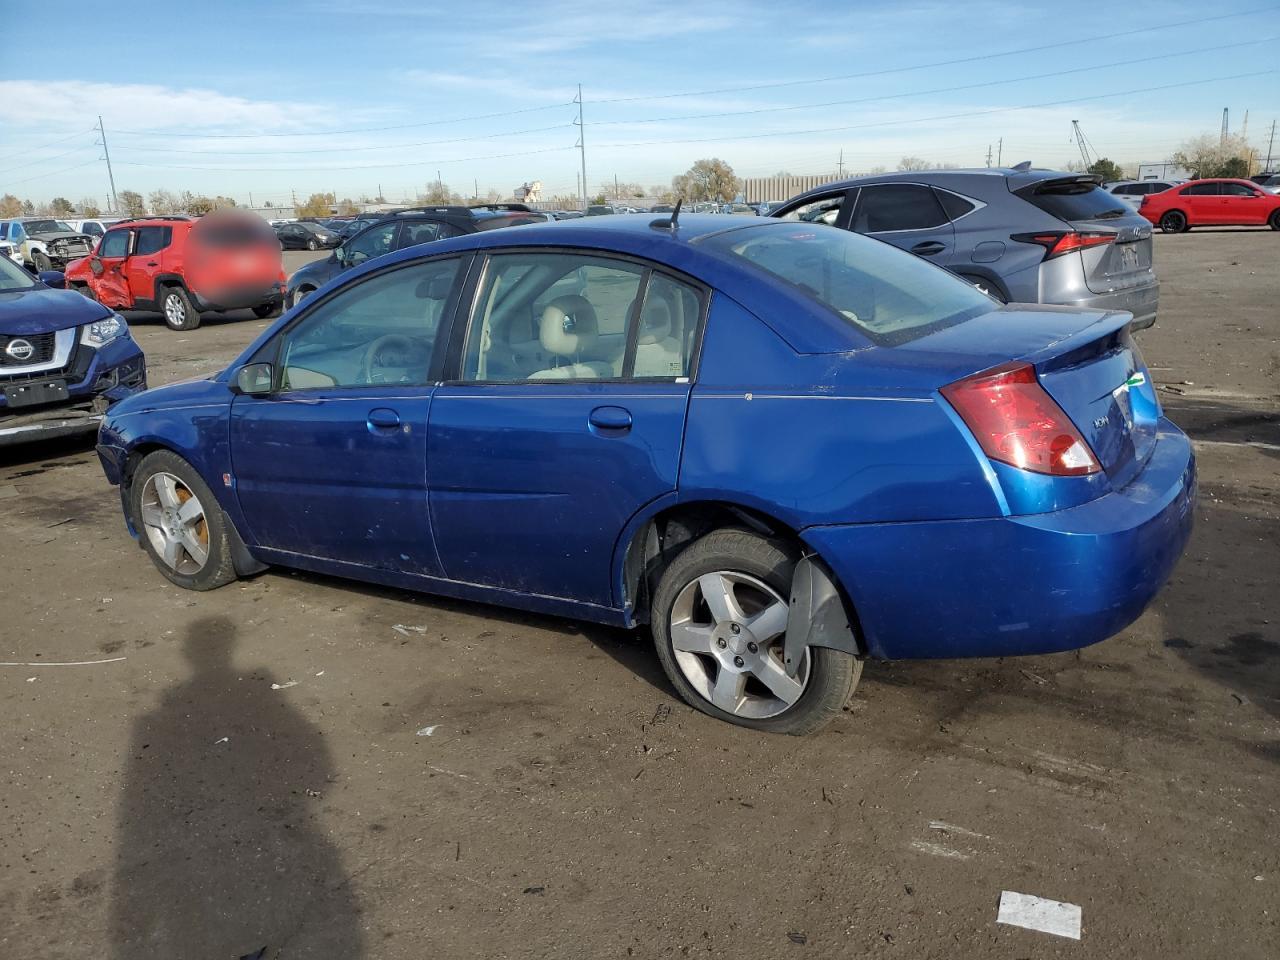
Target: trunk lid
(1086,208)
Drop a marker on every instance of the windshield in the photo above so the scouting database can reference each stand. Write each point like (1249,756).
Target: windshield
(14,277)
(46,226)
(889,295)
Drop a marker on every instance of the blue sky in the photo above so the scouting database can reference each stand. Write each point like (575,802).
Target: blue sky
(337,95)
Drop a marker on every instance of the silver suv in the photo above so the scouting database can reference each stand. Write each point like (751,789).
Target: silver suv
(1132,191)
(1030,236)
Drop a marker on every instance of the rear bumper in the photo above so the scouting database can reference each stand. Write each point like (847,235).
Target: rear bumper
(1018,585)
(1141,301)
(237,298)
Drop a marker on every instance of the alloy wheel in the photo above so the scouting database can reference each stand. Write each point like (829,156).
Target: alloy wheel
(174,310)
(174,522)
(727,631)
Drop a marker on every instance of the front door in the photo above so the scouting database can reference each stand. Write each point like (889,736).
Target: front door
(332,464)
(909,216)
(1243,205)
(109,284)
(566,418)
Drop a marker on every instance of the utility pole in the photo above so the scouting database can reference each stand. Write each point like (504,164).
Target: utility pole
(615,186)
(840,165)
(1000,153)
(988,154)
(582,148)
(115,204)
(1223,138)
(1270,143)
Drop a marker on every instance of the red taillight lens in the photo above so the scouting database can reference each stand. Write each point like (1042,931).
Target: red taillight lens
(1056,244)
(1016,422)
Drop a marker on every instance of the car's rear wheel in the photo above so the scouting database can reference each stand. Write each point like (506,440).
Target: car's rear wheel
(41,262)
(179,312)
(1274,220)
(179,523)
(1173,221)
(719,617)
(264,310)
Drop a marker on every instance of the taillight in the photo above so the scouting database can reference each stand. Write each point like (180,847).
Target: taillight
(1016,422)
(1056,244)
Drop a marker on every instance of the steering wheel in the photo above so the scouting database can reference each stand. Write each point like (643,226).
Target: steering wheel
(373,354)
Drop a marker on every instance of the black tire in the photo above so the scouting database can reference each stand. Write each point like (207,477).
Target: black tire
(177,309)
(1274,220)
(40,262)
(832,674)
(218,568)
(264,310)
(313,244)
(1174,221)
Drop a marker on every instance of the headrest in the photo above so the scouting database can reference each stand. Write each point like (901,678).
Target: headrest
(655,321)
(568,326)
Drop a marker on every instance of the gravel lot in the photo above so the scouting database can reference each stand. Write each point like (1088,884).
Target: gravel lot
(253,772)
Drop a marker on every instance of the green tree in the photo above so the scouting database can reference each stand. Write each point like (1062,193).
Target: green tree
(10,206)
(132,204)
(317,205)
(61,207)
(1104,168)
(710,179)
(28,208)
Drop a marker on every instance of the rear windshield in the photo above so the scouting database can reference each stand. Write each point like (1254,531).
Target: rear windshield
(1074,200)
(888,294)
(231,231)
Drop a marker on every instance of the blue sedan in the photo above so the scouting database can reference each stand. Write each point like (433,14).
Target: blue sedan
(784,447)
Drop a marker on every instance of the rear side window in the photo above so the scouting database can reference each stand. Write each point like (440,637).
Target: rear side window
(1074,200)
(115,244)
(889,295)
(411,234)
(1128,189)
(1201,190)
(955,205)
(152,239)
(825,209)
(897,206)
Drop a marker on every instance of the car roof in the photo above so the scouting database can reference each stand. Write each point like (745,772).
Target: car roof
(950,178)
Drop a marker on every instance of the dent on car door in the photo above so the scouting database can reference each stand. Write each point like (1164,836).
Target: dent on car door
(909,216)
(331,464)
(109,284)
(565,419)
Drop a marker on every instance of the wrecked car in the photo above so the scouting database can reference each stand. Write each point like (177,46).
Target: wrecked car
(43,244)
(784,447)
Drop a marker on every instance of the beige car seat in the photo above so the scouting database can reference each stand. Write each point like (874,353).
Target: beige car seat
(658,353)
(567,331)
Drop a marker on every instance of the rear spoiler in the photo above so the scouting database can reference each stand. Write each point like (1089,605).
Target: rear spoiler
(1067,183)
(1084,344)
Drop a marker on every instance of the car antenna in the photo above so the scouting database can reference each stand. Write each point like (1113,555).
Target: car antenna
(669,223)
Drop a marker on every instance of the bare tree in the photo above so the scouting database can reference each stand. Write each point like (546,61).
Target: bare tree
(166,201)
(132,204)
(10,206)
(88,207)
(1210,155)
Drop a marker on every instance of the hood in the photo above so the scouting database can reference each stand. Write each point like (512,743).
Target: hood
(43,309)
(184,393)
(59,235)
(317,272)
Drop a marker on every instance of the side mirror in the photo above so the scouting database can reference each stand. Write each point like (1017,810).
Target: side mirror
(340,253)
(96,266)
(253,379)
(53,278)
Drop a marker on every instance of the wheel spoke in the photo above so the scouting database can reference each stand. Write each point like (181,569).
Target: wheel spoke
(770,673)
(172,552)
(166,490)
(717,591)
(151,516)
(691,637)
(769,622)
(197,550)
(727,692)
(191,511)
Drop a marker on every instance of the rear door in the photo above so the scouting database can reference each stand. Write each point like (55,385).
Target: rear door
(1204,202)
(909,216)
(144,262)
(109,285)
(565,418)
(1086,208)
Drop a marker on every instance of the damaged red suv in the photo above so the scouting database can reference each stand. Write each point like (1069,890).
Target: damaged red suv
(181,266)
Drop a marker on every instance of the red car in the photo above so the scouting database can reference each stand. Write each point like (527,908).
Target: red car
(180,266)
(1212,203)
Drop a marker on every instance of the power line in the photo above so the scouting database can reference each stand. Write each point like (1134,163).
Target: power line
(331,133)
(925,93)
(943,63)
(57,156)
(369,166)
(51,143)
(949,116)
(51,173)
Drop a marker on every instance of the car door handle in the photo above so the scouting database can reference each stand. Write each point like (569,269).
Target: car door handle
(610,418)
(152,263)
(381,418)
(928,248)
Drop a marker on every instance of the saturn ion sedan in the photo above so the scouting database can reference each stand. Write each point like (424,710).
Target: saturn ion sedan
(782,446)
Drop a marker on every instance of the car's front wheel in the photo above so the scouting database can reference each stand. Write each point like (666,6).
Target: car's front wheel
(41,262)
(1174,221)
(313,244)
(179,522)
(179,312)
(719,618)
(299,295)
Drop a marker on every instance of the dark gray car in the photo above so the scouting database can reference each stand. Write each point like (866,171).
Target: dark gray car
(1020,235)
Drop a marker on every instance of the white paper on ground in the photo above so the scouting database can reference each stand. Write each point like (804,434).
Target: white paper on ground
(1036,913)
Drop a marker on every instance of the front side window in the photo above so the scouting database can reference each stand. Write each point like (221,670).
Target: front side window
(1201,190)
(891,207)
(152,240)
(374,242)
(114,244)
(558,316)
(379,332)
(890,295)
(825,209)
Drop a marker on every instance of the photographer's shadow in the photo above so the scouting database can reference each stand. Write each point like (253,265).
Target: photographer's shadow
(221,848)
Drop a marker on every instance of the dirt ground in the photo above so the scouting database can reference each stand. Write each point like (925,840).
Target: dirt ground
(331,770)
